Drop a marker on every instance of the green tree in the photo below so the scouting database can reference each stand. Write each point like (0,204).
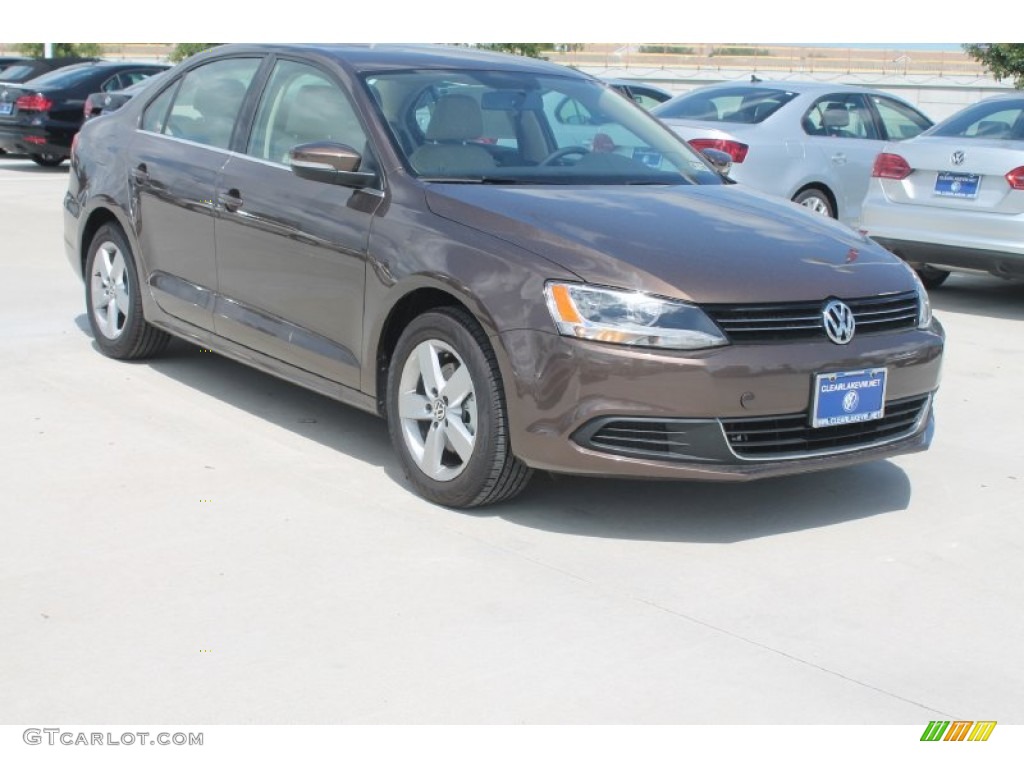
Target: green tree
(61,49)
(533,50)
(1003,60)
(183,50)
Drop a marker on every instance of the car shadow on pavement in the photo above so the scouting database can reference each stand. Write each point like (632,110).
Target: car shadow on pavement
(581,506)
(980,295)
(714,513)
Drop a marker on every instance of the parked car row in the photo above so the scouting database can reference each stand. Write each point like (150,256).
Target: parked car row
(943,197)
(512,264)
(40,116)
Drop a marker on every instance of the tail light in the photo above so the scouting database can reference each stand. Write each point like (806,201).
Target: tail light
(735,150)
(35,102)
(889,166)
(1016,178)
(87,109)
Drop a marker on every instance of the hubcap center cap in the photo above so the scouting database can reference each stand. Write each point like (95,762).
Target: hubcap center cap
(440,410)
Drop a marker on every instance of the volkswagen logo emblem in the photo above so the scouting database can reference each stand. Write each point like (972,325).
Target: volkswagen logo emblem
(839,322)
(958,157)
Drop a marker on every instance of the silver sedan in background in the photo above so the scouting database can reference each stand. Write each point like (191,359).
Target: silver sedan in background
(953,198)
(812,143)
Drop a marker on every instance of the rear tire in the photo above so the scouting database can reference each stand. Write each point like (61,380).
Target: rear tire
(932,277)
(47,160)
(446,413)
(113,299)
(815,200)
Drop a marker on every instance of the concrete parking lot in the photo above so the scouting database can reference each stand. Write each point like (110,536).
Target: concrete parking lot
(187,540)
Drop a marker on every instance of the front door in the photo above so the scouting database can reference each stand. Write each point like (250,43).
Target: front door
(291,253)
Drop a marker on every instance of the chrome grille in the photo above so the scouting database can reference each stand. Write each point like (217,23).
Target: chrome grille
(803,320)
(771,437)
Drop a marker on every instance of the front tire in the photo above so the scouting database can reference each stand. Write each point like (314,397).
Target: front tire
(47,160)
(817,201)
(113,299)
(446,413)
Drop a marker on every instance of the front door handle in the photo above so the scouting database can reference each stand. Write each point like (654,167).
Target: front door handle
(231,200)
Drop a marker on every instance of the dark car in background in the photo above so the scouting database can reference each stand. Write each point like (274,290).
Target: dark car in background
(6,61)
(402,229)
(27,69)
(104,102)
(40,117)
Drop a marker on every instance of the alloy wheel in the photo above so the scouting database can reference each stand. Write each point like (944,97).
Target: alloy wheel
(437,408)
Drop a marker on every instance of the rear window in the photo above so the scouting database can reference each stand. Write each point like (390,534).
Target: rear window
(66,77)
(15,72)
(741,104)
(992,120)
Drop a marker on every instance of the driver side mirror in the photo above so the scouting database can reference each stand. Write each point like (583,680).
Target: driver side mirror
(720,161)
(330,163)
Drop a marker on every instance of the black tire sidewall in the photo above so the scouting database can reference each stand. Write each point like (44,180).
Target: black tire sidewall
(443,326)
(135,323)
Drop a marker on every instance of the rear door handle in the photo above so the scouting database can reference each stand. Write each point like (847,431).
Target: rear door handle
(231,200)
(140,175)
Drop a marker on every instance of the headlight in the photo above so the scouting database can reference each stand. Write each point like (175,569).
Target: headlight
(924,306)
(629,317)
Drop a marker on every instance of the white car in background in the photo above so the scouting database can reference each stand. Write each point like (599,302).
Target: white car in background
(812,143)
(953,198)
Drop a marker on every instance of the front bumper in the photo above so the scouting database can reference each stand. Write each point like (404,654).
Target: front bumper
(561,392)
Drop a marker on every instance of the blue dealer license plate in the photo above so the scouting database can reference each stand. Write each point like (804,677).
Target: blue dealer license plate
(848,397)
(6,107)
(948,184)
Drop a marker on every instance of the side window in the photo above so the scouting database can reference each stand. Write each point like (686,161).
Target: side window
(645,101)
(131,78)
(842,115)
(571,112)
(112,84)
(899,120)
(300,105)
(205,104)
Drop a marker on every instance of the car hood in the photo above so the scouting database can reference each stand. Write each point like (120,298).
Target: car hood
(708,244)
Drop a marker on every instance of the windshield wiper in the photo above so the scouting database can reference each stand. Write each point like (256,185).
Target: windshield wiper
(471,179)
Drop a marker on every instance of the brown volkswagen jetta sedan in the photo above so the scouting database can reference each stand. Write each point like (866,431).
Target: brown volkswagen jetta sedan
(513,264)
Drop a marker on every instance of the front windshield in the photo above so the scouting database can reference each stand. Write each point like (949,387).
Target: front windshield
(517,127)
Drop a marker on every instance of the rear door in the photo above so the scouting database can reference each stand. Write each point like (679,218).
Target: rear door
(179,151)
(291,253)
(841,129)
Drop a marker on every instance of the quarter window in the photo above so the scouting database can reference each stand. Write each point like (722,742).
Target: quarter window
(899,120)
(206,104)
(300,105)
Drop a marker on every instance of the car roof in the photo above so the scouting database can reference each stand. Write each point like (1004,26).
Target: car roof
(382,57)
(802,87)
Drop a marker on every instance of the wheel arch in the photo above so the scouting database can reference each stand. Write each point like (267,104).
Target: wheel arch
(92,222)
(421,297)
